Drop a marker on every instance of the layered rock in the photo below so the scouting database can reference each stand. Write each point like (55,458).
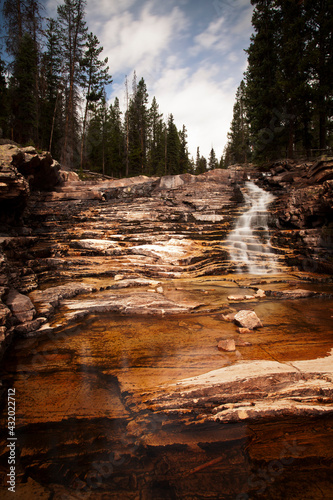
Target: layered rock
(118,405)
(303,211)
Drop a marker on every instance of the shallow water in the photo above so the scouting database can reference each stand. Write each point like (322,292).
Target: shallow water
(84,428)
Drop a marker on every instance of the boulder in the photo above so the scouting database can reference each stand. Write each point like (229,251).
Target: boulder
(21,306)
(248,319)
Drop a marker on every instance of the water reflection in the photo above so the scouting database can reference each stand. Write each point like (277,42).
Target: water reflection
(86,431)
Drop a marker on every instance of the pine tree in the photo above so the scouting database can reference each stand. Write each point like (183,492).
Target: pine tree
(51,87)
(200,163)
(138,128)
(156,142)
(172,148)
(23,95)
(73,32)
(319,18)
(115,144)
(13,15)
(212,161)
(184,162)
(262,92)
(94,79)
(238,150)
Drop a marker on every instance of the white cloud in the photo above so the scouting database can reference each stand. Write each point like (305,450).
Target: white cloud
(199,102)
(211,37)
(104,9)
(194,75)
(140,43)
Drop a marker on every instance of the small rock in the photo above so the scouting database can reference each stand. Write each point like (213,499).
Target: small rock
(119,277)
(159,289)
(244,330)
(242,343)
(228,317)
(248,319)
(260,293)
(236,297)
(227,345)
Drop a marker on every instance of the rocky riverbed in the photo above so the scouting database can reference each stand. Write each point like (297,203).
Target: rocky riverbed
(144,366)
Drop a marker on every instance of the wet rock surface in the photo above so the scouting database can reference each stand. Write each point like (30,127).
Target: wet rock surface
(303,211)
(133,379)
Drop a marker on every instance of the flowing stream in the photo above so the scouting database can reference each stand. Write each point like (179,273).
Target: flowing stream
(249,242)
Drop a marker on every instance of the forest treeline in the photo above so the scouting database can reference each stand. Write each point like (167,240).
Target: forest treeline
(284,105)
(53,95)
(54,84)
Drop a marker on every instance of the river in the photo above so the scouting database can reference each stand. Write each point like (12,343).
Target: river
(98,398)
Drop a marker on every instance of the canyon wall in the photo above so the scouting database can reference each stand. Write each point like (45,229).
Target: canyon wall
(56,229)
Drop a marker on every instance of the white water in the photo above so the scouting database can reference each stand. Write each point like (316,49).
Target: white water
(249,242)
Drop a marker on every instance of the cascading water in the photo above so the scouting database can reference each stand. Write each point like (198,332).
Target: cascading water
(249,242)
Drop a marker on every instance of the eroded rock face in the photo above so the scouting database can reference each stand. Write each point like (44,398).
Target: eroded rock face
(120,247)
(303,211)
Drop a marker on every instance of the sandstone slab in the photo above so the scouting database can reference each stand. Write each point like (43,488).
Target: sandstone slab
(137,303)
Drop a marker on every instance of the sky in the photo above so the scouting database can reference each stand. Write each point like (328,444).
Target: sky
(189,52)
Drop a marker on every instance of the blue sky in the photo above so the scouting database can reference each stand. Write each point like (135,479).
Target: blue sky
(189,52)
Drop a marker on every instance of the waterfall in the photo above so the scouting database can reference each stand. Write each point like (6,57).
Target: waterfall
(249,243)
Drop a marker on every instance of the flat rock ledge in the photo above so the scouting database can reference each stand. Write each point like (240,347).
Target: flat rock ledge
(251,390)
(137,303)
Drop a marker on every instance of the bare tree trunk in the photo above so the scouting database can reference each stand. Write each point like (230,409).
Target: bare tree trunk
(127,128)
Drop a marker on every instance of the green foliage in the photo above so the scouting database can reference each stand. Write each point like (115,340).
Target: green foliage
(56,63)
(238,150)
(285,106)
(212,161)
(23,91)
(200,163)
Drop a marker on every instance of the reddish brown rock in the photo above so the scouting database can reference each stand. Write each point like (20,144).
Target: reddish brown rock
(248,319)
(21,306)
(244,330)
(227,345)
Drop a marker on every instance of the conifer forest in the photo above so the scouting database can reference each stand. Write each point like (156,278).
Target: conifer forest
(54,85)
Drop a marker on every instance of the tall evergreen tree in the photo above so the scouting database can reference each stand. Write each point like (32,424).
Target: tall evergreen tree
(238,150)
(156,154)
(13,12)
(173,148)
(184,162)
(51,90)
(200,163)
(94,79)
(138,128)
(23,95)
(115,142)
(262,92)
(212,161)
(73,32)
(319,17)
